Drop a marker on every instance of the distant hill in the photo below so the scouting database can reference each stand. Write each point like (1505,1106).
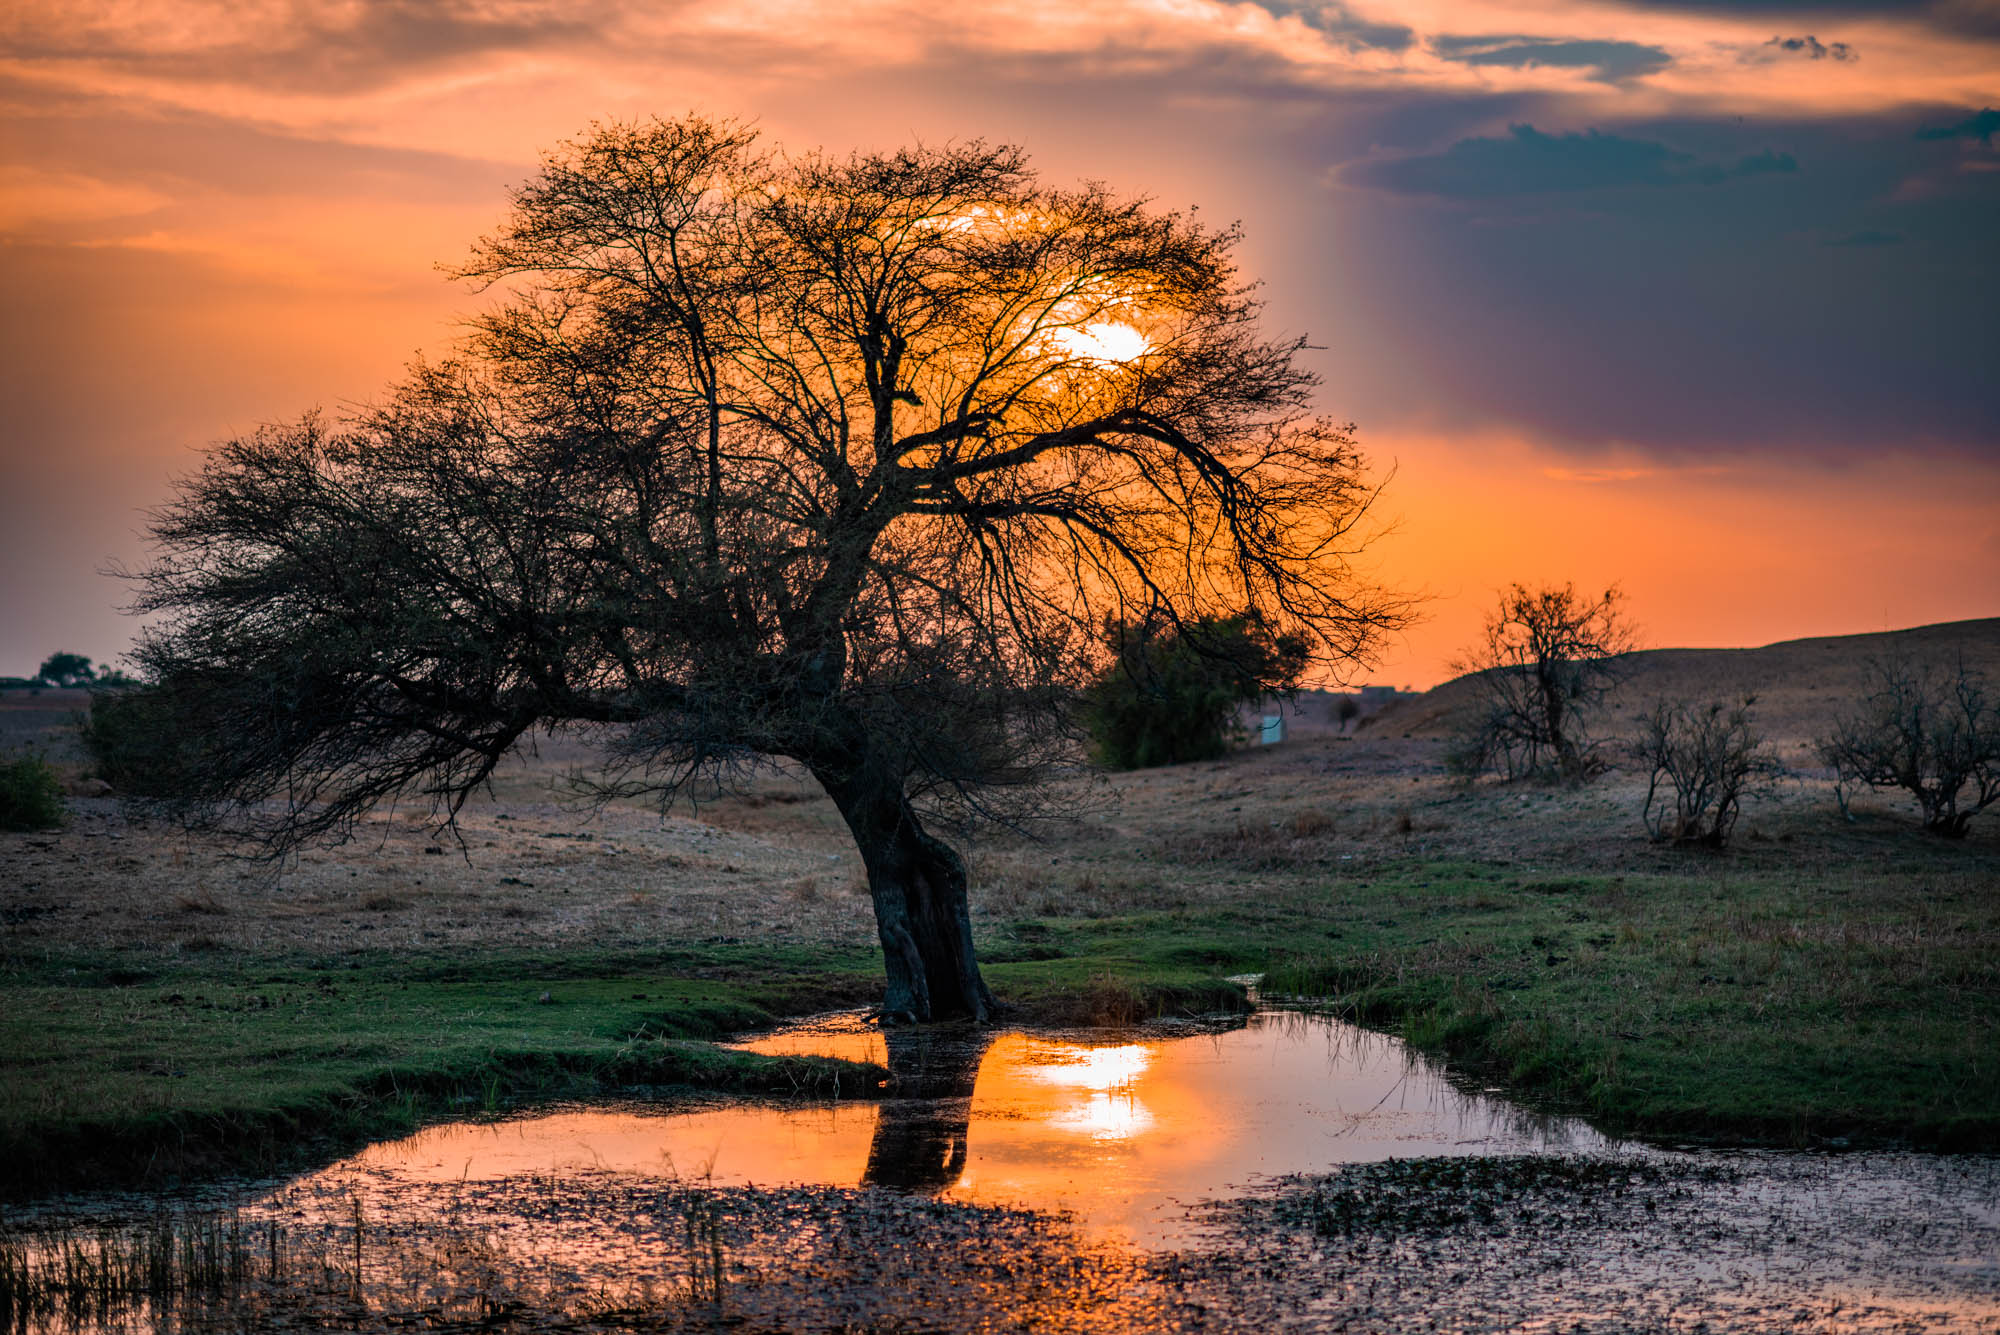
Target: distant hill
(1798,683)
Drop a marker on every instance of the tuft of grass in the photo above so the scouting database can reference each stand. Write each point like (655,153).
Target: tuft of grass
(63,1275)
(1112,999)
(1480,1194)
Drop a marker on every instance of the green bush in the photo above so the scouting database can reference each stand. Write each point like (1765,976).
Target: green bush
(1172,693)
(137,741)
(30,795)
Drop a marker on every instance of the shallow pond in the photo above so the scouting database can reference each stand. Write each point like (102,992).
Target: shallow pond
(1119,1130)
(1290,1173)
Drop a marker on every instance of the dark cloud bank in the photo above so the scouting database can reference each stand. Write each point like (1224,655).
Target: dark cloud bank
(1689,286)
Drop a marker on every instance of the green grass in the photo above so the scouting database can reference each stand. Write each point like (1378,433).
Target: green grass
(1762,1007)
(1726,999)
(121,1071)
(1739,999)
(141,1070)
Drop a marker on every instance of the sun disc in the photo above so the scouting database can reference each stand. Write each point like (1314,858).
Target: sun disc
(1106,341)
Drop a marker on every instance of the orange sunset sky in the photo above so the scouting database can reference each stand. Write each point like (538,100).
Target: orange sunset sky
(1695,297)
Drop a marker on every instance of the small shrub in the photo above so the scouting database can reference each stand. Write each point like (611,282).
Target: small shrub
(1171,694)
(30,795)
(1705,757)
(1928,729)
(138,741)
(1311,822)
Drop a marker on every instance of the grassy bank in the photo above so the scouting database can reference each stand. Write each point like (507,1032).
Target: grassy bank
(1724,1004)
(1726,1000)
(146,1069)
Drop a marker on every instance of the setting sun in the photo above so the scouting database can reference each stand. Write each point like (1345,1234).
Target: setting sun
(1105,341)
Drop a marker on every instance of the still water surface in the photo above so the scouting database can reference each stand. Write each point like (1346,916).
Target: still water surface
(1119,1130)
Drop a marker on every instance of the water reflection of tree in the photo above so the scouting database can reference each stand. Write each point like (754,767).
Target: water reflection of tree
(920,1133)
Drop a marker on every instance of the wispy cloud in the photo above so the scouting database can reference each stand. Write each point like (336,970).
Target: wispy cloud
(1811,48)
(1595,476)
(33,198)
(1607,61)
(1982,127)
(1975,18)
(301,47)
(1528,161)
(1342,24)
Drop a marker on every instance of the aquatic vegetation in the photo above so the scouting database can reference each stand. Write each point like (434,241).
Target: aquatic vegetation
(1481,1194)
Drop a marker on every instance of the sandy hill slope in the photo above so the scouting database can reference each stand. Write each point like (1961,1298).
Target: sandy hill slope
(1798,684)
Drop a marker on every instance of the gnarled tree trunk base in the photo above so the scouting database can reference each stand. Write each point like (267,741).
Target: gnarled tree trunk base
(922,915)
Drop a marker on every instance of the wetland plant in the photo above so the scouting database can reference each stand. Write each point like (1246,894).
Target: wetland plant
(77,1272)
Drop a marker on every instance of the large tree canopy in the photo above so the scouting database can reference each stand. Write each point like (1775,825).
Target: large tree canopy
(843,460)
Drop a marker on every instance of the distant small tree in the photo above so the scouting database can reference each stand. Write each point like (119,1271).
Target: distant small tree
(1707,757)
(67,669)
(1547,655)
(1172,694)
(1928,729)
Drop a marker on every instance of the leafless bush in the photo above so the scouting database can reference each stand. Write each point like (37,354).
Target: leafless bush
(1925,728)
(1547,655)
(1707,757)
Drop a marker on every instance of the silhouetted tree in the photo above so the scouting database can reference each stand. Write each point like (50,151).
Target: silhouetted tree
(1174,691)
(837,460)
(66,669)
(1547,655)
(1708,757)
(1927,728)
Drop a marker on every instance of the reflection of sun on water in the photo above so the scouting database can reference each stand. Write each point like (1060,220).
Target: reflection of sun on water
(1112,1115)
(1094,1068)
(1112,1110)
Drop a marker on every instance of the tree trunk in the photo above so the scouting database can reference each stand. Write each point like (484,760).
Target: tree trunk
(918,884)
